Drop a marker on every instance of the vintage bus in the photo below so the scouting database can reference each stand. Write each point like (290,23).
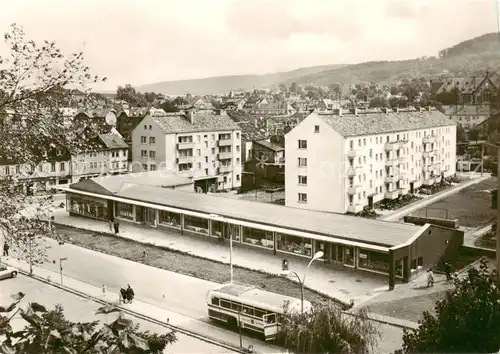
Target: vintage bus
(247,306)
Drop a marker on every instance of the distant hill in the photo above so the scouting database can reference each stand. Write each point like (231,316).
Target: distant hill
(470,57)
(224,84)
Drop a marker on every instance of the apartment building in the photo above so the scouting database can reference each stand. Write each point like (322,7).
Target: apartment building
(106,154)
(346,161)
(54,169)
(202,145)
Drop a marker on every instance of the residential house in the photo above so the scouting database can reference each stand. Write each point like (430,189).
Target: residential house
(103,155)
(267,152)
(468,116)
(202,145)
(233,104)
(470,90)
(125,124)
(31,178)
(266,107)
(100,119)
(346,161)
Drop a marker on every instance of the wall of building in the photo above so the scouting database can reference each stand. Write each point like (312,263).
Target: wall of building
(324,171)
(139,162)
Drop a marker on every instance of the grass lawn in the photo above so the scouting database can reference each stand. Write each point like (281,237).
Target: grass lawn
(471,206)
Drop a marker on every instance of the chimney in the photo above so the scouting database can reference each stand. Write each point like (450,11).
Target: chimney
(190,115)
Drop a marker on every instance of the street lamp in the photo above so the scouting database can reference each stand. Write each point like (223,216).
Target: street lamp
(286,272)
(221,219)
(61,267)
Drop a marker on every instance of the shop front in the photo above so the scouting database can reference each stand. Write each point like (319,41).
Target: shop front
(258,237)
(300,246)
(87,206)
(373,261)
(169,219)
(125,211)
(221,229)
(196,225)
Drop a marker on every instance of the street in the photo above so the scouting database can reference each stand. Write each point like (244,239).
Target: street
(83,310)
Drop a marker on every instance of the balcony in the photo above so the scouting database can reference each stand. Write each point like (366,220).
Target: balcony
(394,194)
(392,178)
(225,168)
(353,153)
(392,146)
(429,139)
(355,208)
(185,146)
(354,189)
(353,171)
(403,144)
(392,162)
(225,142)
(185,159)
(428,153)
(225,155)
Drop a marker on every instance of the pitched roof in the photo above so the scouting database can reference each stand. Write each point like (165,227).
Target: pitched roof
(468,110)
(113,141)
(203,121)
(369,123)
(269,145)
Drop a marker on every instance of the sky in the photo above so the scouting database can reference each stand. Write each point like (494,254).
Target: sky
(140,42)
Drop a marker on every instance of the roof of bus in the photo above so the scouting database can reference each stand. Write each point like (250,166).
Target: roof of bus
(257,295)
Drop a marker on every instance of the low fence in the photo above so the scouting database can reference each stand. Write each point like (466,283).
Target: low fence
(422,220)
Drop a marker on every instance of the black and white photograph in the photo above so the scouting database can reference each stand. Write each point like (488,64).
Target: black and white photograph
(249,176)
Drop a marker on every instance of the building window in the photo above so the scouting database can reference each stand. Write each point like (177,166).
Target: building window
(125,211)
(195,224)
(316,128)
(143,140)
(258,237)
(170,219)
(18,169)
(237,160)
(237,135)
(52,167)
(302,144)
(144,153)
(294,244)
(61,166)
(302,162)
(150,127)
(152,140)
(302,198)
(213,151)
(152,167)
(152,154)
(303,180)
(144,167)
(237,177)
(237,148)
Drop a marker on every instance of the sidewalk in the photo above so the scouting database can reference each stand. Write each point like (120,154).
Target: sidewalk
(345,285)
(406,210)
(471,236)
(146,310)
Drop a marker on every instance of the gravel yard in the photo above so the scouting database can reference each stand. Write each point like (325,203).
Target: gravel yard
(182,263)
(471,206)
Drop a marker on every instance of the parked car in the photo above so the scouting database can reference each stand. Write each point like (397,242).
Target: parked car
(7,272)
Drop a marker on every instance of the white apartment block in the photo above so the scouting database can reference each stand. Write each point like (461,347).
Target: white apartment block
(107,154)
(202,145)
(344,162)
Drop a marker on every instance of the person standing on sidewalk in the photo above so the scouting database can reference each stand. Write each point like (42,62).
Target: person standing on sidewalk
(117,226)
(430,278)
(447,270)
(6,249)
(110,225)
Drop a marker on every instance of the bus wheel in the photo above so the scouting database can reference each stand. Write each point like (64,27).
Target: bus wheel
(231,321)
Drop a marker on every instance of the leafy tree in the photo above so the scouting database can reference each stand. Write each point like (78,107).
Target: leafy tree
(473,134)
(48,331)
(394,90)
(128,94)
(150,97)
(448,97)
(294,87)
(378,102)
(283,88)
(467,320)
(169,106)
(461,136)
(36,81)
(327,330)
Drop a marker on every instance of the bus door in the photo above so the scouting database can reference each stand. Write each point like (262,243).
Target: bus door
(270,326)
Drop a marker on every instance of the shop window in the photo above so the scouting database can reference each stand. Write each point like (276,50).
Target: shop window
(294,244)
(349,256)
(193,223)
(258,237)
(420,261)
(170,219)
(125,211)
(377,261)
(413,264)
(88,207)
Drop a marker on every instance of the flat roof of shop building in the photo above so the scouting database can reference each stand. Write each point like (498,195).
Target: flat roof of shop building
(346,227)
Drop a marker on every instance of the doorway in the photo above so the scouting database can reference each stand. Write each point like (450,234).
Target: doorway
(370,202)
(150,217)
(337,254)
(412,187)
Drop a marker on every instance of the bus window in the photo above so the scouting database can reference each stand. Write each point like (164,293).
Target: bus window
(235,306)
(225,304)
(259,313)
(271,318)
(215,301)
(248,310)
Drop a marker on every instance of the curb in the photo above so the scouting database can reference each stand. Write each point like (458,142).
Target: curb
(135,314)
(391,321)
(342,304)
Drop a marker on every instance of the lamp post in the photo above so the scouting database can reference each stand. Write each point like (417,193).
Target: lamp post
(316,256)
(221,219)
(61,267)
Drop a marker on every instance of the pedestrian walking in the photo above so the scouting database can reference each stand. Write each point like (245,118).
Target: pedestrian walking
(430,278)
(116,226)
(6,249)
(110,225)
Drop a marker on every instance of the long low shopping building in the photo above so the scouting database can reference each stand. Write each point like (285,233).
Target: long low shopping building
(395,249)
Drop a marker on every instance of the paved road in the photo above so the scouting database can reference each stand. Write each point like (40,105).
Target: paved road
(79,309)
